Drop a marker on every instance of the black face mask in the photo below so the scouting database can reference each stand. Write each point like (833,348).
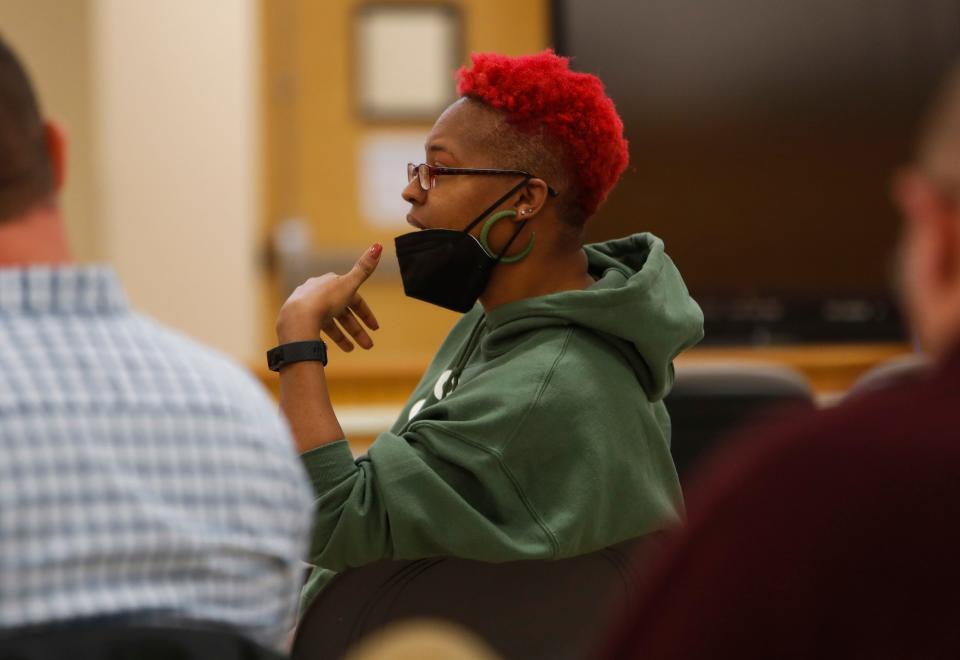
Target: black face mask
(451,268)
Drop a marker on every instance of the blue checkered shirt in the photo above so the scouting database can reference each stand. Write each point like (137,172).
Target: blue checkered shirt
(139,472)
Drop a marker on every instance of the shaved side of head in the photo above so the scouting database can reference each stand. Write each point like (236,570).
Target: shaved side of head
(508,147)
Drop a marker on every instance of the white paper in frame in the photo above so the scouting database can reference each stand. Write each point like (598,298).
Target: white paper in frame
(406,56)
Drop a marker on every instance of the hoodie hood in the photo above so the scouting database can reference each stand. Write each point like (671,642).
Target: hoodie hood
(639,303)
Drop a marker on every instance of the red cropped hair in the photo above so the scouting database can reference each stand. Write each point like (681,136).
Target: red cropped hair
(540,93)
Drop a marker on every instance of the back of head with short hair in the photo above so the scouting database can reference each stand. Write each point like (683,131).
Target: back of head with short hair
(26,176)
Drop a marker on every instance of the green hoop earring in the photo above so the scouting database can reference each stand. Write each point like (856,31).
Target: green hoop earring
(485,232)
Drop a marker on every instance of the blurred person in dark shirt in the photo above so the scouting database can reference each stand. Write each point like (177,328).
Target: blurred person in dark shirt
(836,535)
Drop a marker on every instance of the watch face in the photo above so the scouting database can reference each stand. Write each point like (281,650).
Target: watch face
(274,356)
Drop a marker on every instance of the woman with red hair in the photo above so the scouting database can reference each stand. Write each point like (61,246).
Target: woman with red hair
(538,431)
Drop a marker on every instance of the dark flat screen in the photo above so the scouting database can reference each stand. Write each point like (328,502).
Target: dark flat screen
(763,135)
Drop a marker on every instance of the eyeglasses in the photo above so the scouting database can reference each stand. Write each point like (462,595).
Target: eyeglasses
(427,174)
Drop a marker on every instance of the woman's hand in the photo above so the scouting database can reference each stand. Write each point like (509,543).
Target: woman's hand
(321,303)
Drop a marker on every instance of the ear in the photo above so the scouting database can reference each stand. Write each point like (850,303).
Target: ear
(531,200)
(914,195)
(56,139)
(930,223)
(943,229)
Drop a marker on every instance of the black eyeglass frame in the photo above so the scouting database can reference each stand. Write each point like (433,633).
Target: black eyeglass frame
(432,172)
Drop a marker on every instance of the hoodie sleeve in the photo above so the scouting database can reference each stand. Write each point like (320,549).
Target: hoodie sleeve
(460,502)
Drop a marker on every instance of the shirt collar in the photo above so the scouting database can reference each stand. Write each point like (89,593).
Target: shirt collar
(61,290)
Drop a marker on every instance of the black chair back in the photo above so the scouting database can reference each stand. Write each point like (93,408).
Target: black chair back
(903,370)
(119,639)
(523,609)
(710,400)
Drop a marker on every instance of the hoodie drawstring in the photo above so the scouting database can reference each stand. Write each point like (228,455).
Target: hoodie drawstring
(464,357)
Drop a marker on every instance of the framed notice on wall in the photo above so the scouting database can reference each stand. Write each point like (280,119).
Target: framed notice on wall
(405,57)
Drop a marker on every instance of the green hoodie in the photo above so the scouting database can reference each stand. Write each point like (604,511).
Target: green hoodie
(538,431)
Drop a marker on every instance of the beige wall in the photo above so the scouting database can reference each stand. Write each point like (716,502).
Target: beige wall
(161,103)
(178,125)
(53,39)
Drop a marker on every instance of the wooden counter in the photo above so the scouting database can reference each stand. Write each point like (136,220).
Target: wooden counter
(368,396)
(829,368)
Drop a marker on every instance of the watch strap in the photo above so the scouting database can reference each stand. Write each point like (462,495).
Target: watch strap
(296,351)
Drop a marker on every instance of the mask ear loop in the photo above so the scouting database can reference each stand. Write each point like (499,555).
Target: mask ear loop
(496,217)
(497,203)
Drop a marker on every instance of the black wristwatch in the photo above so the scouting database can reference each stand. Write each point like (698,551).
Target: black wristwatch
(296,351)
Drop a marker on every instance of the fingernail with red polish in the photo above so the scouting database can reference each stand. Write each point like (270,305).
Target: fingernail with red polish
(376,250)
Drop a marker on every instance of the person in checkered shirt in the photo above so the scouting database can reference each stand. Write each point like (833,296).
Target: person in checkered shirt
(142,476)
